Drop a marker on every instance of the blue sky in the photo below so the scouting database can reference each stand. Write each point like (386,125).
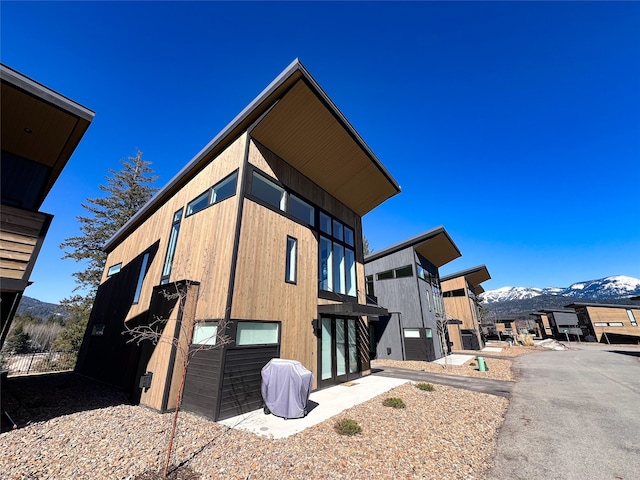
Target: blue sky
(514,125)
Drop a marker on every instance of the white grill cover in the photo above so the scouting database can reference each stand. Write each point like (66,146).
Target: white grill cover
(286,385)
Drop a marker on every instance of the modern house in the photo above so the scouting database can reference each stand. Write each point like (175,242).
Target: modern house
(40,129)
(543,326)
(260,236)
(404,279)
(460,292)
(563,323)
(608,323)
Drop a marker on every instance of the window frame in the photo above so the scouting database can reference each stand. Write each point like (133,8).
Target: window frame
(117,267)
(291,254)
(204,323)
(172,246)
(141,277)
(202,201)
(250,345)
(632,318)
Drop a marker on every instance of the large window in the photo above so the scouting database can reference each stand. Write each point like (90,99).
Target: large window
(257,333)
(337,257)
(171,247)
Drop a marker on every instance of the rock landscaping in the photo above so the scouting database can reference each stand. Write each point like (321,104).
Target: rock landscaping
(446,433)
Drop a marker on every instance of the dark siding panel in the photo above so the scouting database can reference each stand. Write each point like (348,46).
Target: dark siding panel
(201,384)
(421,349)
(242,384)
(469,340)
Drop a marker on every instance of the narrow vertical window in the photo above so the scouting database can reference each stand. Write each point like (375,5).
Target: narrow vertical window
(338,273)
(632,318)
(171,247)
(350,259)
(292,257)
(326,265)
(141,275)
(368,282)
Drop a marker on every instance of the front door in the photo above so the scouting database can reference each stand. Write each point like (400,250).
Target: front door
(338,350)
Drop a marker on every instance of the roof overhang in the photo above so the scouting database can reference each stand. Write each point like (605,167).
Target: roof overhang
(295,119)
(352,309)
(39,125)
(474,277)
(603,305)
(435,245)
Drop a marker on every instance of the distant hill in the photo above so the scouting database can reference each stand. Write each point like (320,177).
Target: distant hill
(40,309)
(522,308)
(519,302)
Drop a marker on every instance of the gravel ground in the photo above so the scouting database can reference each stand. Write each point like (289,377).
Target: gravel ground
(444,434)
(507,351)
(499,369)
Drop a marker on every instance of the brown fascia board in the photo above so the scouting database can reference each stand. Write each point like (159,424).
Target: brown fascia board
(469,272)
(252,112)
(604,305)
(415,242)
(15,78)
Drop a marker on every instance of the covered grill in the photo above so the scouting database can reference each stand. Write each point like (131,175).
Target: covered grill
(286,385)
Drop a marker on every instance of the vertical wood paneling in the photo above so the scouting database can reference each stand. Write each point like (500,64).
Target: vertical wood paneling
(260,290)
(204,243)
(607,314)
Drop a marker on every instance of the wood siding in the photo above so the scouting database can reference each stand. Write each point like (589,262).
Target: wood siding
(608,314)
(205,241)
(260,290)
(462,308)
(21,236)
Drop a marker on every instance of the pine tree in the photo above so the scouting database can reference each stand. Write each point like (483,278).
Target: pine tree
(127,191)
(365,246)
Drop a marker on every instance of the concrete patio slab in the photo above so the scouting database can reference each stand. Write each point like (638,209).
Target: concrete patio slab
(324,404)
(454,359)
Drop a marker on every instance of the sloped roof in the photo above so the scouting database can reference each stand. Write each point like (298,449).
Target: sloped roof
(41,126)
(474,277)
(435,245)
(295,119)
(605,305)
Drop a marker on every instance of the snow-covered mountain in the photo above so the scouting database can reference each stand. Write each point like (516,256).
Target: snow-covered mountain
(618,286)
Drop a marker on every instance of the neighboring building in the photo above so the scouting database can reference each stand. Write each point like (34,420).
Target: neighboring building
(543,326)
(608,323)
(460,292)
(563,323)
(40,129)
(262,233)
(404,279)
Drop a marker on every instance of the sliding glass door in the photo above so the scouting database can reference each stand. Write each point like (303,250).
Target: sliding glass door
(338,350)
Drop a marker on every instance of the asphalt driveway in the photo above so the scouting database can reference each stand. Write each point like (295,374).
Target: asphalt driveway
(574,414)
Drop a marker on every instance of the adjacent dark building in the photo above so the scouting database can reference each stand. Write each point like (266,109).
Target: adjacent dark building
(404,278)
